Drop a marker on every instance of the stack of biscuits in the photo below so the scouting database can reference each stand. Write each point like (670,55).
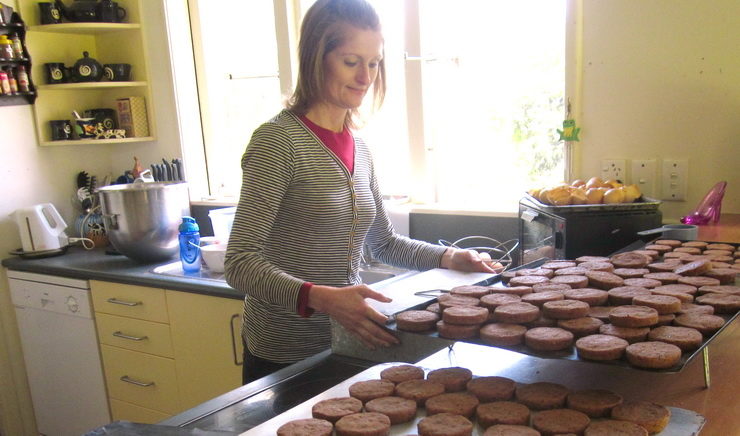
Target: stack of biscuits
(450,402)
(646,306)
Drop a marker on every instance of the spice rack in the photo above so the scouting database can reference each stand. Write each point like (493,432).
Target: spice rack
(16,26)
(108,43)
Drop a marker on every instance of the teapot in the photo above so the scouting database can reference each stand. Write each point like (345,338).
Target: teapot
(87,69)
(79,10)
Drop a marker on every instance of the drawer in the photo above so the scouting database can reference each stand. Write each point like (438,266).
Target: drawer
(123,411)
(134,334)
(141,379)
(128,300)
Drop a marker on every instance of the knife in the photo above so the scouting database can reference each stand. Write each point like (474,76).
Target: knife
(154,172)
(167,170)
(175,175)
(178,164)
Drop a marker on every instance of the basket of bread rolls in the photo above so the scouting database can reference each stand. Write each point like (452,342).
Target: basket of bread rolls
(593,193)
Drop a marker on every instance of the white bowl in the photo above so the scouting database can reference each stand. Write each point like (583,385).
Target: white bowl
(213,255)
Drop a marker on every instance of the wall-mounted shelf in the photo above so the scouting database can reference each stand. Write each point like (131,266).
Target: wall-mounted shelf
(90,85)
(107,43)
(98,141)
(19,98)
(85,28)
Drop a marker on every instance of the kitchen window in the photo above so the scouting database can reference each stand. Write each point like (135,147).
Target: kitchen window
(475,94)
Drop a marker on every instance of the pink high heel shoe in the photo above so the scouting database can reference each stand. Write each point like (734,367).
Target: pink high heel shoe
(709,209)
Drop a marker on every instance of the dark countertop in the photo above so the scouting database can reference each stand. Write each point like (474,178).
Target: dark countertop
(95,264)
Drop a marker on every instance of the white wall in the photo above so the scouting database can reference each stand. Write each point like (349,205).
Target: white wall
(661,79)
(33,174)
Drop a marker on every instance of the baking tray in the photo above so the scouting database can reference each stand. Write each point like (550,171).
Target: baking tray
(644,203)
(571,353)
(683,422)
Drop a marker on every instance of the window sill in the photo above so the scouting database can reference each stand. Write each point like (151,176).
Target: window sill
(444,209)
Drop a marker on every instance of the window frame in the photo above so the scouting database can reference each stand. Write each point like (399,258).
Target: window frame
(288,15)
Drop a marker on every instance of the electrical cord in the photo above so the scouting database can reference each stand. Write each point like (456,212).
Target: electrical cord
(84,241)
(82,237)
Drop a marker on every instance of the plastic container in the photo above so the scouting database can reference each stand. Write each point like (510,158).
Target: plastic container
(189,239)
(222,220)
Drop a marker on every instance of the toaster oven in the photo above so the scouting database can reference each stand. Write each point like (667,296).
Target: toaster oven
(567,232)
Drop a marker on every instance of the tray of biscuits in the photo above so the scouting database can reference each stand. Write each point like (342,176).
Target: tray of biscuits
(400,399)
(654,307)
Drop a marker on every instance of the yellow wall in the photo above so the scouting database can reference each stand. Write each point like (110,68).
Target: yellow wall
(661,79)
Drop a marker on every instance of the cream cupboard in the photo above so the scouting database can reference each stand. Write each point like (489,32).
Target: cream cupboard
(165,351)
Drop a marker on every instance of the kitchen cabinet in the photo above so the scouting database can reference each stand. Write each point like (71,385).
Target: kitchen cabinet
(206,337)
(163,350)
(106,42)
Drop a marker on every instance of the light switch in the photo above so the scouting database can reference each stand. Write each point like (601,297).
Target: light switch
(645,176)
(674,179)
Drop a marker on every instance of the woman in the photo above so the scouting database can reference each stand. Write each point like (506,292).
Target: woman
(310,200)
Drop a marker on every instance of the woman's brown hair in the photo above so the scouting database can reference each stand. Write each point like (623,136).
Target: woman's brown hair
(323,30)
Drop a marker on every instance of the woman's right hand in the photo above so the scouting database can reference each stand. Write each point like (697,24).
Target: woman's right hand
(348,307)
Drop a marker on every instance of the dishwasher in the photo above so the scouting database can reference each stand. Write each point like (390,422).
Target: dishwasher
(60,350)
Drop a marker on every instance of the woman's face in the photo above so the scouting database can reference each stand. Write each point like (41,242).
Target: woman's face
(352,68)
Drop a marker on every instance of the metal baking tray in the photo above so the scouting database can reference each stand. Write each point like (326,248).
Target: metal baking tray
(571,353)
(682,423)
(643,203)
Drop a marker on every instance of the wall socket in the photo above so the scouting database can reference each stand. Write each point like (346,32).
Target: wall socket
(645,176)
(674,179)
(613,169)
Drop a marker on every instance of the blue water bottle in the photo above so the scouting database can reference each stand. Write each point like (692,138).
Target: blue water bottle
(189,244)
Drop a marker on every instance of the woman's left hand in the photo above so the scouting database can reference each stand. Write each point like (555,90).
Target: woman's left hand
(469,260)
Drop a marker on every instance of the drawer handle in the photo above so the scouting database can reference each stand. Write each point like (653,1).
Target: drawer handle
(124,303)
(127,379)
(131,338)
(234,335)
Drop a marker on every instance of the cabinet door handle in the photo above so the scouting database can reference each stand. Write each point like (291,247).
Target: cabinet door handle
(121,335)
(237,359)
(124,303)
(127,379)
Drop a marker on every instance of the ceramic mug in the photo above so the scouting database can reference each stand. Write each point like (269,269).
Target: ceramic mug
(55,72)
(110,12)
(49,14)
(60,130)
(117,72)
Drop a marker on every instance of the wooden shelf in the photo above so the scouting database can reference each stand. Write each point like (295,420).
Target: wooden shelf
(90,85)
(85,28)
(97,141)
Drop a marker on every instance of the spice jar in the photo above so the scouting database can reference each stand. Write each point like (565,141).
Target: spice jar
(6,48)
(17,46)
(4,83)
(23,85)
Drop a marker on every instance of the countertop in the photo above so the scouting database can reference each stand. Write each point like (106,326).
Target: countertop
(726,230)
(97,265)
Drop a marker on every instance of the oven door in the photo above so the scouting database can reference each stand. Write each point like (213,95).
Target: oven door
(540,235)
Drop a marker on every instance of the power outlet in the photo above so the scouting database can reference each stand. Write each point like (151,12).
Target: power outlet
(613,169)
(674,179)
(645,176)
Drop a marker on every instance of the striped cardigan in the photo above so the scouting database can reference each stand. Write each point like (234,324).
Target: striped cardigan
(303,217)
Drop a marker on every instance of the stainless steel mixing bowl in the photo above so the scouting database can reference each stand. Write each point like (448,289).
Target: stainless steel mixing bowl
(142,219)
